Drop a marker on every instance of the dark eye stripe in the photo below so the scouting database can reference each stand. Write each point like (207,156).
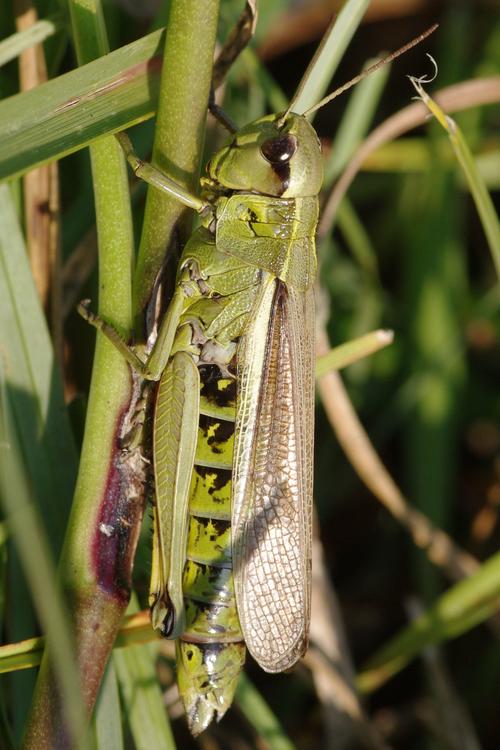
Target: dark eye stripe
(280,149)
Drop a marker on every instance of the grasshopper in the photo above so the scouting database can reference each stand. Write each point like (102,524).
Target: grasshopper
(233,417)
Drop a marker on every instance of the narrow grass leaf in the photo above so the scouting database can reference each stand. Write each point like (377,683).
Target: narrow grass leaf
(358,240)
(22,655)
(28,653)
(32,383)
(355,122)
(12,47)
(482,199)
(352,129)
(142,698)
(316,80)
(29,536)
(107,717)
(68,112)
(260,716)
(461,608)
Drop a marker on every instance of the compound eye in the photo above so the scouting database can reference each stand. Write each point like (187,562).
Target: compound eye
(280,149)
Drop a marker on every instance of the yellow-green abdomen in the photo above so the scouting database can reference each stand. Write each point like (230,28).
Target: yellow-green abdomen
(211,652)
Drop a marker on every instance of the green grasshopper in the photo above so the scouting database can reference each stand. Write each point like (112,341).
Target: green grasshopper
(233,420)
(233,417)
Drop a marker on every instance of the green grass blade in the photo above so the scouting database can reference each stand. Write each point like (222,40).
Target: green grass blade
(142,697)
(461,608)
(355,122)
(33,385)
(28,532)
(107,717)
(358,240)
(12,47)
(68,112)
(22,655)
(333,48)
(260,716)
(353,127)
(28,653)
(479,192)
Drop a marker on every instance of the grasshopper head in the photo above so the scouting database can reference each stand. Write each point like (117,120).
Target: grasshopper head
(275,155)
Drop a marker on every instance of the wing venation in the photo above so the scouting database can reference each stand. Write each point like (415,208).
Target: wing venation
(272,498)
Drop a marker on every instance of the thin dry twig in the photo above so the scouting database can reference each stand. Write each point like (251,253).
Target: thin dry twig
(454,98)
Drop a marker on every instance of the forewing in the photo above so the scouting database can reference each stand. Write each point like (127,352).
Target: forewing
(272,496)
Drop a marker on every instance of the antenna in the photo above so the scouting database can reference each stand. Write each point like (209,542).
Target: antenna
(376,66)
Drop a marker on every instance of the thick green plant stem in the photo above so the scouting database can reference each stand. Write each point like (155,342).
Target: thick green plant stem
(184,91)
(96,577)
